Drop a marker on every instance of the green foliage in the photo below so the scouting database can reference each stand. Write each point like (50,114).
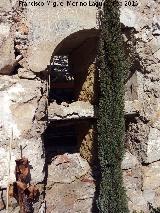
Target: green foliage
(112,68)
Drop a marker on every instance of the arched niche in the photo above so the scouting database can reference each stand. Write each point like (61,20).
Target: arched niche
(75,56)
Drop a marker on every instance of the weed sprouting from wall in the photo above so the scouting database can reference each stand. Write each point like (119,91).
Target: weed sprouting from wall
(112,68)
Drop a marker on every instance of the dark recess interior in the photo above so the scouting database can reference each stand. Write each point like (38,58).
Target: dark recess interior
(69,65)
(61,95)
(59,140)
(61,80)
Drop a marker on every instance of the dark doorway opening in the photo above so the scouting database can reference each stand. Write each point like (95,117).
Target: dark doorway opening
(59,140)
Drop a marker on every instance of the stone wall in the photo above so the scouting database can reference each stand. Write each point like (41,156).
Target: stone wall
(29,38)
(141,30)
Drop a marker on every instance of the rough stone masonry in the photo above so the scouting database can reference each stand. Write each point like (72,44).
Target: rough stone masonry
(29,38)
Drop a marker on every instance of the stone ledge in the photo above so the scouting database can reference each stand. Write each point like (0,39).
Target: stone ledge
(81,109)
(75,110)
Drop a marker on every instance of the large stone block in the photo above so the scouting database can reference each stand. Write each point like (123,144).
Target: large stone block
(67,168)
(20,101)
(151,176)
(153,146)
(7,61)
(23,115)
(75,197)
(136,201)
(128,17)
(129,161)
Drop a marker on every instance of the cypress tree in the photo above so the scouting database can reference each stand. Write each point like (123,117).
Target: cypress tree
(112,68)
